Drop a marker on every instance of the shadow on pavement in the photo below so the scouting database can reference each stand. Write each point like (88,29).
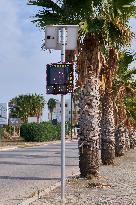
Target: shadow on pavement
(30,164)
(28,178)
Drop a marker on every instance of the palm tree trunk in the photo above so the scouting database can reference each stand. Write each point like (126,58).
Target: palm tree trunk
(132,140)
(130,133)
(89,65)
(89,128)
(120,141)
(107,130)
(107,120)
(121,137)
(38,119)
(127,140)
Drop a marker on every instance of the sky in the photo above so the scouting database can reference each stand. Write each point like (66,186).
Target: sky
(22,62)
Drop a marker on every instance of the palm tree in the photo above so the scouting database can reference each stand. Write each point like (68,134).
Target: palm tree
(123,87)
(101,27)
(130,103)
(107,120)
(51,105)
(24,106)
(37,106)
(18,108)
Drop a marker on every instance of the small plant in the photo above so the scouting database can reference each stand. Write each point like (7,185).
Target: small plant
(90,177)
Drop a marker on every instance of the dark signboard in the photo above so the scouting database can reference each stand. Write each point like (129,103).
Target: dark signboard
(14,121)
(59,78)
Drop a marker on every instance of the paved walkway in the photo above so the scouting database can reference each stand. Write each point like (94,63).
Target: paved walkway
(115,186)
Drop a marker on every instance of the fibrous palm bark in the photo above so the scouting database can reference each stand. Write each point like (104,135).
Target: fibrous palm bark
(131,127)
(107,129)
(120,141)
(132,140)
(120,131)
(107,120)
(127,140)
(89,109)
(89,128)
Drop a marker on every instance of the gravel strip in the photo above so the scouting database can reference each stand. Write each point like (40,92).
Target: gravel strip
(115,186)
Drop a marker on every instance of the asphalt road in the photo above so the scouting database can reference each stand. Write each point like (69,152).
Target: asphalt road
(24,171)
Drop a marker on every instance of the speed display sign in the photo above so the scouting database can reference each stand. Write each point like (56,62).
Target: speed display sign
(59,78)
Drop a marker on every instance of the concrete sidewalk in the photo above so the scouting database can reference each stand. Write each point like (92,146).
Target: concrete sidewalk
(116,185)
(5,148)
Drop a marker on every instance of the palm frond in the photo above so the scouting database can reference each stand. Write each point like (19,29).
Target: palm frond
(131,107)
(125,60)
(104,19)
(125,9)
(48,4)
(44,18)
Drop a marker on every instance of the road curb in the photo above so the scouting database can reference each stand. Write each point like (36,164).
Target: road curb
(7,148)
(40,194)
(45,192)
(31,146)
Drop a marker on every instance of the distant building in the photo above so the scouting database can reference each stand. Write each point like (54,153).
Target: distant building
(57,111)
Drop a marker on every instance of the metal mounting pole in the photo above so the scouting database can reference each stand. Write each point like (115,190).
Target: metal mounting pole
(1,134)
(63,41)
(71,114)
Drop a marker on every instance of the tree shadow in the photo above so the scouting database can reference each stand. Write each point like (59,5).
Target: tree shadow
(24,156)
(36,164)
(29,178)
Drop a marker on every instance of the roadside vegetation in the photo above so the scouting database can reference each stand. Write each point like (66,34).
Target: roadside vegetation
(24,106)
(41,132)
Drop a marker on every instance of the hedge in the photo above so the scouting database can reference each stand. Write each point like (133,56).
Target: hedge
(43,131)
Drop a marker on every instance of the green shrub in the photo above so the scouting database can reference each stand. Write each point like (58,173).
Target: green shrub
(43,131)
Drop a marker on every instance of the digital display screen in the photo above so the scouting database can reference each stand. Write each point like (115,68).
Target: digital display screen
(59,78)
